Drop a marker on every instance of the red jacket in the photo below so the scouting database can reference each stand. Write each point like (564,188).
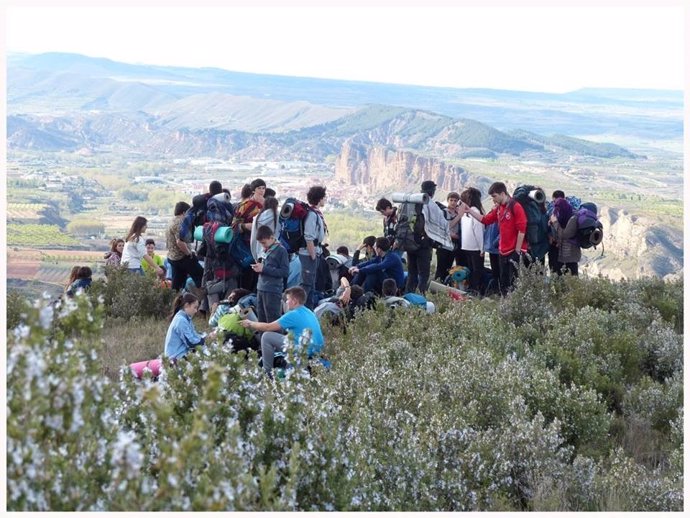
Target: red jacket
(510,221)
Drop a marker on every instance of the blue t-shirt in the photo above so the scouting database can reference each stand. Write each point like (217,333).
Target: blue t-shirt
(299,319)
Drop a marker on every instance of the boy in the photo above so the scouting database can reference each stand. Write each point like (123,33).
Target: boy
(151,252)
(272,273)
(385,265)
(298,320)
(390,218)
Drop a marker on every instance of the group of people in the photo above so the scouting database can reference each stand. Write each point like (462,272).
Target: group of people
(290,276)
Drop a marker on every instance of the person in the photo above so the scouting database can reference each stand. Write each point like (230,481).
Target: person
(323,284)
(227,305)
(268,217)
(345,253)
(366,248)
(82,282)
(181,337)
(183,261)
(114,256)
(512,225)
(73,274)
(242,222)
(445,258)
(564,222)
(315,231)
(385,265)
(246,192)
(299,320)
(273,269)
(419,261)
(491,248)
(390,218)
(135,249)
(157,259)
(270,192)
(554,265)
(472,240)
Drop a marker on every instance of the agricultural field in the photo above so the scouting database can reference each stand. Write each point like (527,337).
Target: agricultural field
(48,266)
(24,211)
(40,236)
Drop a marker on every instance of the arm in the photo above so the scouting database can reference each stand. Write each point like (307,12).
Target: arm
(189,334)
(478,231)
(183,246)
(520,225)
(278,268)
(570,230)
(310,233)
(262,326)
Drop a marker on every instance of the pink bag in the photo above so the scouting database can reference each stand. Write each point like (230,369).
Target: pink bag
(153,365)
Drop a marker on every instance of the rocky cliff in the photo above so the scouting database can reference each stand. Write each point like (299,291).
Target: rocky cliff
(381,168)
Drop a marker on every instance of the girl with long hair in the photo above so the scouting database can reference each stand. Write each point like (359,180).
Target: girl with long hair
(267,217)
(135,249)
(114,256)
(181,336)
(472,236)
(564,222)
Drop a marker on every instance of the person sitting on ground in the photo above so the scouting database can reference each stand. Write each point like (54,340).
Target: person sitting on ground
(273,269)
(335,305)
(228,305)
(299,321)
(157,259)
(391,299)
(344,252)
(386,265)
(73,274)
(114,255)
(366,248)
(82,282)
(181,337)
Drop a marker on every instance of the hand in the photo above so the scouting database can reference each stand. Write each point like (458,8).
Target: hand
(258,267)
(212,335)
(553,219)
(246,323)
(161,272)
(354,270)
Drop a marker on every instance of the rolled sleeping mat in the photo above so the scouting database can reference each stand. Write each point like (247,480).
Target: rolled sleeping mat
(222,196)
(596,236)
(286,210)
(223,234)
(153,365)
(437,287)
(415,197)
(335,261)
(538,195)
(248,314)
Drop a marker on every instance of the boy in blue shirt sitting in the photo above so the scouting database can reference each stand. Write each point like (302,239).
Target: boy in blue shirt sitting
(385,265)
(298,320)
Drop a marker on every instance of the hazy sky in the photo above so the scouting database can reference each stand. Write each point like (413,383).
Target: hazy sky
(550,49)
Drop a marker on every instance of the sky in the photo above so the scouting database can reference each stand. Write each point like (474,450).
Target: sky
(492,44)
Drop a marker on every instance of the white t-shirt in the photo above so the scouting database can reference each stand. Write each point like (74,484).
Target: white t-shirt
(133,253)
(472,232)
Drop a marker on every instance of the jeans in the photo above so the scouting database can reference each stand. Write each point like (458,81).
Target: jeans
(418,270)
(272,343)
(508,265)
(268,306)
(372,281)
(187,266)
(308,277)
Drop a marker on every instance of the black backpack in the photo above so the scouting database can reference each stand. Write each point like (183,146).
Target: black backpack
(409,230)
(537,234)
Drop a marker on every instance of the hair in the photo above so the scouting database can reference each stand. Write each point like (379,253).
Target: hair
(264,232)
(234,296)
(137,226)
(246,191)
(257,183)
(382,243)
(315,194)
(297,293)
(114,243)
(271,203)
(73,275)
(150,241)
(84,272)
(452,196)
(473,197)
(389,288)
(383,204)
(558,194)
(269,192)
(227,191)
(181,301)
(215,187)
(181,207)
(498,188)
(343,250)
(369,240)
(356,291)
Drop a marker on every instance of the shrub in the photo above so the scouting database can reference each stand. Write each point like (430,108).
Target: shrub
(17,305)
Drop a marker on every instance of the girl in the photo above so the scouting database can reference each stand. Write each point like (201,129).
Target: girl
(72,277)
(267,217)
(472,237)
(564,222)
(182,337)
(114,257)
(135,249)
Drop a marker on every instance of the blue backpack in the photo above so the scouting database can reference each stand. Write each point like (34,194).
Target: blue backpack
(292,216)
(415,299)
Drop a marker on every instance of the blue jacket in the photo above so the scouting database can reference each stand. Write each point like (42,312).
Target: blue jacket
(491,238)
(181,336)
(275,270)
(390,264)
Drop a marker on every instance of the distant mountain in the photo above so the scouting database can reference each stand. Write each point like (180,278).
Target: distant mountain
(58,82)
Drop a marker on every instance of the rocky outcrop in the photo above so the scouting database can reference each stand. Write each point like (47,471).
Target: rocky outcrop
(381,168)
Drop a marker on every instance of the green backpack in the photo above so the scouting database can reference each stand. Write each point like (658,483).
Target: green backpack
(229,325)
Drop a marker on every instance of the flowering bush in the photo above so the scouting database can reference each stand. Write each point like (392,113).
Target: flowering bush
(533,402)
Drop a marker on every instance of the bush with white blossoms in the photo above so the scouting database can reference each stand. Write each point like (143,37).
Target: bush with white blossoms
(534,402)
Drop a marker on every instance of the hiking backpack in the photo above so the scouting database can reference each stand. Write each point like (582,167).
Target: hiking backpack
(590,231)
(537,233)
(409,230)
(194,217)
(292,216)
